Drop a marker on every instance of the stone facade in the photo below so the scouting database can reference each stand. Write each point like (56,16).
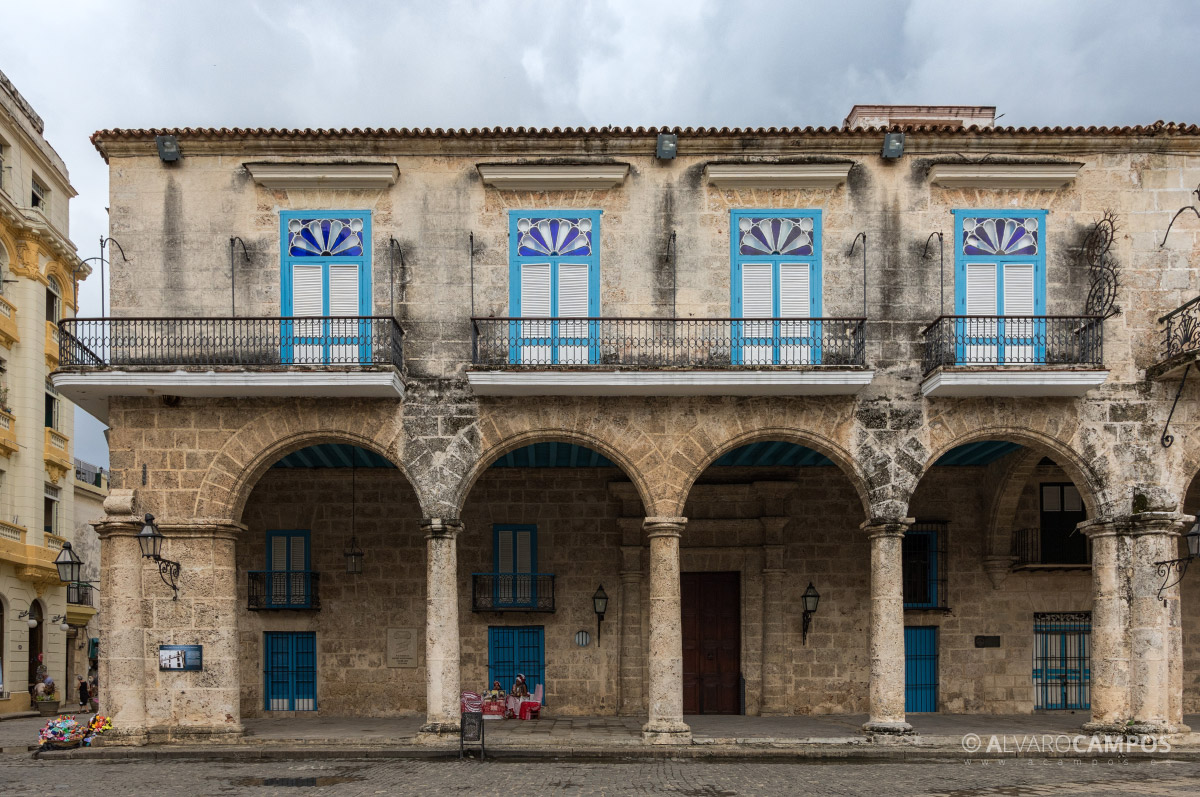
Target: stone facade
(202,464)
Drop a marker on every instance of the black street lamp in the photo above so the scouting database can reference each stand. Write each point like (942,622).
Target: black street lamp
(810,599)
(69,565)
(150,539)
(1179,566)
(600,606)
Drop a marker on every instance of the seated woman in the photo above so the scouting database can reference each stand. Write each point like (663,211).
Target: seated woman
(518,693)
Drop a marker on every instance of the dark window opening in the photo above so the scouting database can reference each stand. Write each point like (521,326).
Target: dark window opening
(924,565)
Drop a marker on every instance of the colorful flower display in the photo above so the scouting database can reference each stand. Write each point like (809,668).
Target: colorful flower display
(65,731)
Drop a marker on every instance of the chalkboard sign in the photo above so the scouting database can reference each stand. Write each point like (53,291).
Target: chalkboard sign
(987,641)
(180,657)
(470,731)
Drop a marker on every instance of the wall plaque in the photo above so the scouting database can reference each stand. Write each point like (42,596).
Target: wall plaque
(987,641)
(180,657)
(402,647)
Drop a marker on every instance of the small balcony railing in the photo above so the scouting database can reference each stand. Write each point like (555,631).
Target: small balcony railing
(283,589)
(1033,547)
(668,342)
(79,594)
(1182,329)
(512,592)
(1013,340)
(283,343)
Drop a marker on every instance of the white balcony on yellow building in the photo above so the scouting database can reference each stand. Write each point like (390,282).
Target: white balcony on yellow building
(33,563)
(57,454)
(8,323)
(8,433)
(51,345)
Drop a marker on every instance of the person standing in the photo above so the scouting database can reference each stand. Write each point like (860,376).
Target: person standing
(85,697)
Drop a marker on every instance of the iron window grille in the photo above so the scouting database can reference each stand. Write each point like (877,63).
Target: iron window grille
(1062,660)
(79,594)
(923,553)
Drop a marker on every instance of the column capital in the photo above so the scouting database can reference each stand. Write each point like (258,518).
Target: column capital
(1137,524)
(885,527)
(664,526)
(440,527)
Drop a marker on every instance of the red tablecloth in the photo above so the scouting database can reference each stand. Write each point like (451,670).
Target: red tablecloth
(528,707)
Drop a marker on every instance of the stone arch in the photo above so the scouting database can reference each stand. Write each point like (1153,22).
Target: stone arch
(841,458)
(1096,497)
(245,457)
(1005,502)
(554,435)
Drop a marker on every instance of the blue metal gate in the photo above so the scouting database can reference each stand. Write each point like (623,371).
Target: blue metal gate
(517,649)
(290,671)
(920,668)
(1062,660)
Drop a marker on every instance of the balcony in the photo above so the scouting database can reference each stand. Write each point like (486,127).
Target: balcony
(1013,356)
(80,604)
(668,356)
(52,345)
(79,594)
(512,592)
(1181,341)
(8,433)
(1032,549)
(57,454)
(33,563)
(283,589)
(8,323)
(341,357)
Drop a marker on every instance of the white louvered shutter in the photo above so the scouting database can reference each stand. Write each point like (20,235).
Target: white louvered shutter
(758,301)
(535,303)
(524,541)
(981,299)
(279,566)
(1018,301)
(343,301)
(504,558)
(795,301)
(573,303)
(308,299)
(296,563)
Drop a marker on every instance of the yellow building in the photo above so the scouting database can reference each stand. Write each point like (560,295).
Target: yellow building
(40,272)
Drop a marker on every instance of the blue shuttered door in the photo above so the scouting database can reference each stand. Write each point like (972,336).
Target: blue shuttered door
(920,668)
(290,671)
(517,649)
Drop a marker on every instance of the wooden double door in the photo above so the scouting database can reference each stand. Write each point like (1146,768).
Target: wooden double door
(712,642)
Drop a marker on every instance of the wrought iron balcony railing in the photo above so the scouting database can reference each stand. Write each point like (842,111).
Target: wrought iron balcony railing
(1035,547)
(1014,340)
(668,342)
(512,592)
(79,594)
(283,343)
(1182,329)
(283,589)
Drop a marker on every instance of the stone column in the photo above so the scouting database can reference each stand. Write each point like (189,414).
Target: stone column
(1110,660)
(774,622)
(631,703)
(1155,640)
(887,626)
(442,680)
(122,666)
(665,725)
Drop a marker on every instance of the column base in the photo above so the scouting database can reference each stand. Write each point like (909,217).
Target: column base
(888,728)
(193,734)
(1126,729)
(666,732)
(122,737)
(440,729)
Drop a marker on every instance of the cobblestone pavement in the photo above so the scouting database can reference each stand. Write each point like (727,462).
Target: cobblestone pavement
(20,776)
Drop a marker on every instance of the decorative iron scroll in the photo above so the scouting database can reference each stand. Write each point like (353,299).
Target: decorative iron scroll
(1057,618)
(1102,269)
(1179,213)
(1165,569)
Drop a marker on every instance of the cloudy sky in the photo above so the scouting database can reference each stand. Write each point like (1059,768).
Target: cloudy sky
(86,65)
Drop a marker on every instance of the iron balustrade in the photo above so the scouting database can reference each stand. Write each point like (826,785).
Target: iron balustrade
(321,342)
(1014,340)
(668,342)
(1034,546)
(283,589)
(512,592)
(79,594)
(1183,329)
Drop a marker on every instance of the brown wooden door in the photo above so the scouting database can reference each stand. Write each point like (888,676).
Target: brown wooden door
(712,642)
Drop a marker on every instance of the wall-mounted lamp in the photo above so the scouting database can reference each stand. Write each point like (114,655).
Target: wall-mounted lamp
(32,623)
(69,565)
(61,619)
(150,539)
(168,148)
(666,147)
(893,146)
(600,606)
(1179,566)
(810,599)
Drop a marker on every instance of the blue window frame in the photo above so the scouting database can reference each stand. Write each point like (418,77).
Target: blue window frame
(554,273)
(325,262)
(517,649)
(920,668)
(1062,660)
(775,261)
(923,561)
(289,572)
(999,272)
(514,560)
(290,671)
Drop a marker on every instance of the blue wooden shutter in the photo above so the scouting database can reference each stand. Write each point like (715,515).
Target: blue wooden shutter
(502,656)
(920,668)
(531,656)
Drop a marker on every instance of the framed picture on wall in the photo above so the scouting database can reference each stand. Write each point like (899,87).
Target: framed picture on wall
(180,657)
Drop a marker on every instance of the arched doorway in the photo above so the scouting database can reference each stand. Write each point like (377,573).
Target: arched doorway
(1189,605)
(997,578)
(331,575)
(766,518)
(547,524)
(36,644)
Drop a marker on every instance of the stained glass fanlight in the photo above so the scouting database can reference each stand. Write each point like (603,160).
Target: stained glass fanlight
(1000,236)
(325,237)
(568,237)
(775,236)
